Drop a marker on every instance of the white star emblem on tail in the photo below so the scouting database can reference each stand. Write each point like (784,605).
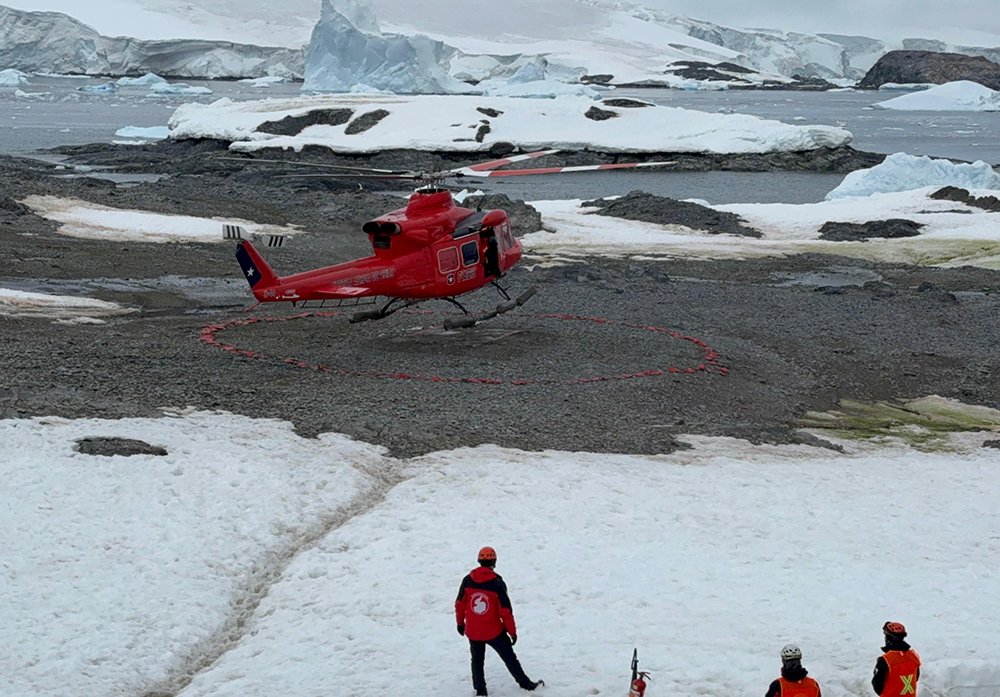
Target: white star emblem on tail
(251,271)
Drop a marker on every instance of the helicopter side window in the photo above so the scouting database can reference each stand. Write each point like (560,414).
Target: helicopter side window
(470,253)
(448,260)
(506,236)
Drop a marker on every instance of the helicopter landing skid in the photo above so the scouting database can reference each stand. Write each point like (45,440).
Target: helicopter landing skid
(501,309)
(394,305)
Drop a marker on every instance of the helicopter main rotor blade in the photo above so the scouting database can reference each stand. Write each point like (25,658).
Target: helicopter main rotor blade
(399,177)
(564,170)
(493,164)
(297,163)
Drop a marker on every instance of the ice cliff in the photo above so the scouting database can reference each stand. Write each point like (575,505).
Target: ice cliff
(55,42)
(343,55)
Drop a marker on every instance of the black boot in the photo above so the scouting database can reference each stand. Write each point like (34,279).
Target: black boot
(532,686)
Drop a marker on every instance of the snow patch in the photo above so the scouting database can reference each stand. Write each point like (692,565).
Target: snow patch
(953,96)
(902,172)
(451,123)
(96,222)
(16,303)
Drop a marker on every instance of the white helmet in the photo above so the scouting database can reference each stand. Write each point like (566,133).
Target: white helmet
(791,652)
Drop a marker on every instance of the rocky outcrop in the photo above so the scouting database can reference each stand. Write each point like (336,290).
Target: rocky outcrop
(648,208)
(908,67)
(54,42)
(953,193)
(859,232)
(524,218)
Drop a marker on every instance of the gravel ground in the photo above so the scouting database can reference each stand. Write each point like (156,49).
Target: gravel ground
(790,343)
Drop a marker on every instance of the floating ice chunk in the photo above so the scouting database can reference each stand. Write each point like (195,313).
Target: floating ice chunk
(147,80)
(905,87)
(266,81)
(529,72)
(179,88)
(902,172)
(107,87)
(962,95)
(153,133)
(12,78)
(341,56)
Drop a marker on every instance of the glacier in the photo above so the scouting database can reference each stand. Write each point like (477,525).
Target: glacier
(902,172)
(50,42)
(342,55)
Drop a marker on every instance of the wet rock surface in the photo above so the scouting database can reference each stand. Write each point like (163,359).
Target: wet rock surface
(908,67)
(789,349)
(110,447)
(858,232)
(294,125)
(647,208)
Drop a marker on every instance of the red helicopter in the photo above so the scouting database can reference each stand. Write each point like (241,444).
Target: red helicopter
(431,249)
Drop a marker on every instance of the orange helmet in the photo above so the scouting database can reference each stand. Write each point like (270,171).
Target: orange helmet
(487,554)
(894,628)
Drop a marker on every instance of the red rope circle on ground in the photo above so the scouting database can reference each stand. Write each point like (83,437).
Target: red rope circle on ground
(709,361)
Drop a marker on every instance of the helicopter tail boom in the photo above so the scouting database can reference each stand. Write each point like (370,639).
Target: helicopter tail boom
(258,272)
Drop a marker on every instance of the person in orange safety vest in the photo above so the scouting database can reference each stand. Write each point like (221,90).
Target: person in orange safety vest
(794,680)
(898,668)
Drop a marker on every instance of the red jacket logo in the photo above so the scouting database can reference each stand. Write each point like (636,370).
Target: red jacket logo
(480,603)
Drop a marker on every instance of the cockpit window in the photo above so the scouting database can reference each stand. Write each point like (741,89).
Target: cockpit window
(507,236)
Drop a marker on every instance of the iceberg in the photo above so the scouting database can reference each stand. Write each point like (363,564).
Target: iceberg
(952,96)
(152,133)
(147,80)
(107,87)
(266,81)
(12,78)
(179,88)
(902,172)
(342,56)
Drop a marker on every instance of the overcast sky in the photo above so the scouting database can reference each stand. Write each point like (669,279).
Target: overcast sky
(854,16)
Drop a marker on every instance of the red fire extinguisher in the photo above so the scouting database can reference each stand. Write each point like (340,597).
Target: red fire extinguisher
(637,687)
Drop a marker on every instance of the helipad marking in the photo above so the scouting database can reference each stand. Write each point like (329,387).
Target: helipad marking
(709,361)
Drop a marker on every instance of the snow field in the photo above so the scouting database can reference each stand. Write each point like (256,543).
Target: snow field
(707,560)
(62,308)
(96,222)
(115,569)
(955,234)
(450,123)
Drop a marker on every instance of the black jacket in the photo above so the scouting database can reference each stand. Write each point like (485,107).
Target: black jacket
(792,671)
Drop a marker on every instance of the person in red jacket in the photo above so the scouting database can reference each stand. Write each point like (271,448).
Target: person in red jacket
(898,668)
(484,616)
(794,680)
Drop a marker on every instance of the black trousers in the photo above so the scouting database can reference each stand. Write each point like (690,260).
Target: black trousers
(502,646)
